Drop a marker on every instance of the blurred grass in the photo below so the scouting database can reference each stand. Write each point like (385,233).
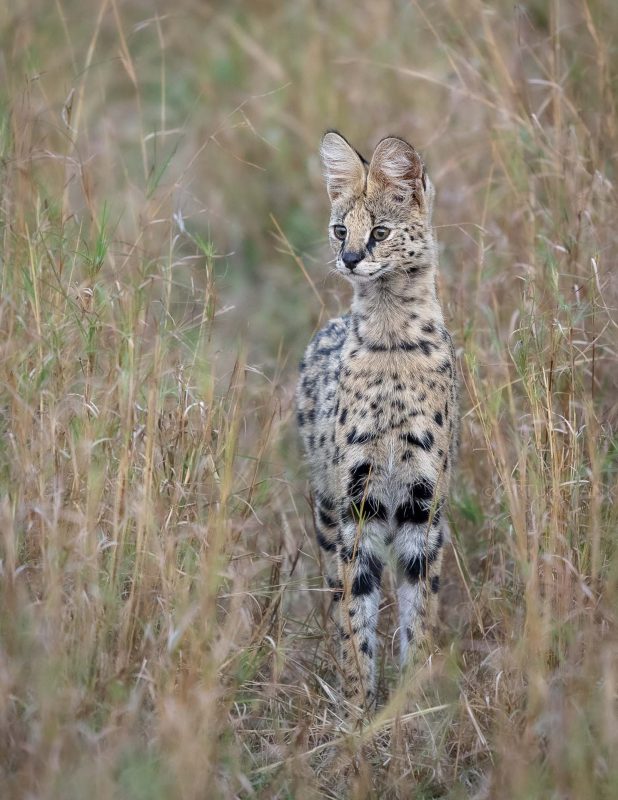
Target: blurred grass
(163,628)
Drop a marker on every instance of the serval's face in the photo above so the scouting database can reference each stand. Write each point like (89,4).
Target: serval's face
(381,212)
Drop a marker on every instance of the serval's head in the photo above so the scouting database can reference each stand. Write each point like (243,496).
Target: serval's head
(381,211)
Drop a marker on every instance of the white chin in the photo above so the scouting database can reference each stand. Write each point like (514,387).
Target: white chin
(358,276)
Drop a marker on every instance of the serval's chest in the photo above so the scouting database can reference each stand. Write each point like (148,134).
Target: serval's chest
(392,409)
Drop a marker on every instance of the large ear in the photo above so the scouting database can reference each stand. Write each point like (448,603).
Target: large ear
(343,167)
(396,167)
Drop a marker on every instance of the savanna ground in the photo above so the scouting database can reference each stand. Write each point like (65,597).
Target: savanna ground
(163,626)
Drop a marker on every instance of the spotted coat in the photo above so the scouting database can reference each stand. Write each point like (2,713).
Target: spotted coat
(377,405)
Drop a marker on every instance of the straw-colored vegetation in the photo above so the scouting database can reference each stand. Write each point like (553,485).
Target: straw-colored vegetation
(163,625)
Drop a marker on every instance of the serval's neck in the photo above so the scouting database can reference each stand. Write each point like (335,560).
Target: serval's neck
(390,312)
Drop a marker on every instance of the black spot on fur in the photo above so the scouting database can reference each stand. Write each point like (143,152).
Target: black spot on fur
(326,502)
(416,510)
(411,512)
(414,568)
(357,484)
(359,438)
(326,350)
(425,441)
(345,553)
(438,418)
(343,416)
(368,576)
(423,490)
(325,518)
(364,648)
(435,584)
(368,508)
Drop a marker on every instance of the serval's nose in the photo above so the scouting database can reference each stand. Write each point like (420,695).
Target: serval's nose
(351,259)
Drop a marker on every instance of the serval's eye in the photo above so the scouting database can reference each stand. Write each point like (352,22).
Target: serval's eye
(340,232)
(380,233)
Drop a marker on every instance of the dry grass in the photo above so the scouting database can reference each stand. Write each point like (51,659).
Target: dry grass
(163,627)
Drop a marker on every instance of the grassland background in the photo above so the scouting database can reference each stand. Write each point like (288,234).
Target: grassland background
(163,627)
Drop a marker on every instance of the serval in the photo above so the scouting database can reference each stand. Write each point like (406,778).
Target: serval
(377,405)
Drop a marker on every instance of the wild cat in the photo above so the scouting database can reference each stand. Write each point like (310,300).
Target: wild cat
(377,404)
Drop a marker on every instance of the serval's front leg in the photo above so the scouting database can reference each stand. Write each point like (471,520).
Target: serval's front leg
(418,548)
(360,572)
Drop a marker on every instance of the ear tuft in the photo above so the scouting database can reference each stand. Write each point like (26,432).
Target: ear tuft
(343,167)
(397,167)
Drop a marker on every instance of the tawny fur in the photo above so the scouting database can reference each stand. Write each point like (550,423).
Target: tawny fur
(377,404)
